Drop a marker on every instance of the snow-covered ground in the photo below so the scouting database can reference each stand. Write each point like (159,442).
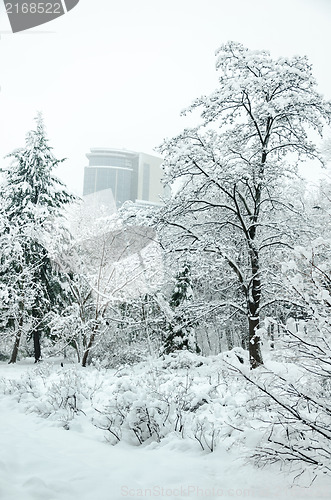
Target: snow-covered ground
(40,460)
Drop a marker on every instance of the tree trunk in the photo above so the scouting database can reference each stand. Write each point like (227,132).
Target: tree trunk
(229,337)
(36,345)
(14,353)
(271,331)
(87,351)
(76,346)
(36,314)
(255,355)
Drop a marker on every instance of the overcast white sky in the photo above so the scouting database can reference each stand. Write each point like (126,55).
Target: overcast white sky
(118,73)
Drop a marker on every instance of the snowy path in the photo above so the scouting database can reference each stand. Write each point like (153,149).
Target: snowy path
(41,462)
(38,461)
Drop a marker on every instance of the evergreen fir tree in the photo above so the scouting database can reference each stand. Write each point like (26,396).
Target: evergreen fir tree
(34,201)
(181,330)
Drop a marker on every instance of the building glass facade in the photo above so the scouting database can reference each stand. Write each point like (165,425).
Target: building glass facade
(130,175)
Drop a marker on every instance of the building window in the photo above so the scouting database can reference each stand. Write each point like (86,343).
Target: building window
(146,174)
(109,161)
(123,190)
(89,180)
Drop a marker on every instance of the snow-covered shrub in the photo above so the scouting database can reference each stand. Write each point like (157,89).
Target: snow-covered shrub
(206,433)
(26,388)
(64,397)
(177,394)
(293,409)
(182,360)
(298,390)
(56,393)
(134,409)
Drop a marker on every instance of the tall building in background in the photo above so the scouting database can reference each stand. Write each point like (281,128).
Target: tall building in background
(130,175)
